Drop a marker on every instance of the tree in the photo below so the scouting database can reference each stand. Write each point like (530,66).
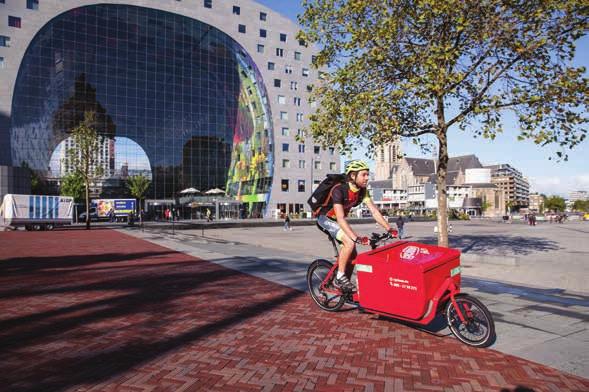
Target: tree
(416,68)
(138,185)
(555,203)
(581,205)
(83,157)
(72,185)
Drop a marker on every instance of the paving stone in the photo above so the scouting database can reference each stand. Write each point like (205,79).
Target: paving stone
(100,310)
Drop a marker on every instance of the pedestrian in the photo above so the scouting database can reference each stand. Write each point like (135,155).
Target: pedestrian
(111,214)
(287,223)
(167,214)
(209,217)
(400,224)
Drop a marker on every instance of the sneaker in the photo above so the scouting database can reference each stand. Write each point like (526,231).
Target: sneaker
(344,284)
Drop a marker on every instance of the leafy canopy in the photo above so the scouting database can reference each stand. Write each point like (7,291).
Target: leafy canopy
(138,185)
(415,67)
(73,185)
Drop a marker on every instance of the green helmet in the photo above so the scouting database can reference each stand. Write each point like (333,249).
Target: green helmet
(355,166)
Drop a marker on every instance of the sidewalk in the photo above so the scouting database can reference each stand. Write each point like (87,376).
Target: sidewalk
(549,326)
(99,310)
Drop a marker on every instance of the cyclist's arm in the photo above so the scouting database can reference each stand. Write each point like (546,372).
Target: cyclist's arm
(342,222)
(376,214)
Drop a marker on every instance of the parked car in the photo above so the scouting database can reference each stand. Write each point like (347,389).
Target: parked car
(93,215)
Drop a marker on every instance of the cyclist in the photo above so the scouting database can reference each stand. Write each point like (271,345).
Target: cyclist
(332,218)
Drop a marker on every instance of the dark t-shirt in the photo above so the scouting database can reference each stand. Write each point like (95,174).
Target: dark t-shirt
(346,196)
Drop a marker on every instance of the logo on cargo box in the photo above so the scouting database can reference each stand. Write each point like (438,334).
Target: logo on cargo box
(409,252)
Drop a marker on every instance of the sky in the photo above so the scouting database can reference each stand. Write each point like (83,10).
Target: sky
(546,176)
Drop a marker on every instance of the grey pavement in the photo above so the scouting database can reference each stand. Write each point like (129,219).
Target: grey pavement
(540,301)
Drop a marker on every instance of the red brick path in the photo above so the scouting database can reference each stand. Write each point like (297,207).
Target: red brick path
(100,310)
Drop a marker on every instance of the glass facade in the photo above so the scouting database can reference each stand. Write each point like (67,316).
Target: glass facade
(176,100)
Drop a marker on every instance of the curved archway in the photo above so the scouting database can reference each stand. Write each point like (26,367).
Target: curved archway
(185,92)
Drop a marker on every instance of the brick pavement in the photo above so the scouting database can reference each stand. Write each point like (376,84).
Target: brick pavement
(100,310)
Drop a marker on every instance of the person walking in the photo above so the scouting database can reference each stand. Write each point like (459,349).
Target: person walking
(287,222)
(209,218)
(400,224)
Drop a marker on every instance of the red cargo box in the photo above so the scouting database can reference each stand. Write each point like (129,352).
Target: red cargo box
(401,278)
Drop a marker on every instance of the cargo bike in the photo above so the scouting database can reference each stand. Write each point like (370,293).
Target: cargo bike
(406,281)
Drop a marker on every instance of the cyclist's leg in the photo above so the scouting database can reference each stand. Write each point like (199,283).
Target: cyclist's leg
(347,251)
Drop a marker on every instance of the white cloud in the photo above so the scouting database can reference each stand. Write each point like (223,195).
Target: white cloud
(561,185)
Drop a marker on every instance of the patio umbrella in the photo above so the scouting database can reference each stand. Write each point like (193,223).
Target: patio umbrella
(190,190)
(215,191)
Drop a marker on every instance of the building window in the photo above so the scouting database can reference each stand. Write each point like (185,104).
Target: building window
(331,150)
(285,131)
(13,21)
(4,40)
(285,163)
(208,3)
(332,166)
(316,150)
(284,147)
(282,37)
(309,88)
(236,10)
(277,83)
(241,28)
(301,148)
(300,133)
(282,99)
(317,165)
(263,16)
(302,42)
(302,164)
(284,116)
(305,72)
(279,52)
(271,66)
(2,64)
(299,117)
(32,4)
(287,69)
(297,101)
(301,185)
(260,48)
(294,85)
(297,55)
(284,185)
(263,33)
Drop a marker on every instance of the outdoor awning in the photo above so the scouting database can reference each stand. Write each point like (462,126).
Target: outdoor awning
(190,190)
(215,191)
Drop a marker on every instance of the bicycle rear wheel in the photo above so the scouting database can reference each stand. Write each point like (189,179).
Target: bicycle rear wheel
(316,274)
(479,328)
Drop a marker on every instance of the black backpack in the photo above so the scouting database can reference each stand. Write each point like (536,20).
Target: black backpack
(322,194)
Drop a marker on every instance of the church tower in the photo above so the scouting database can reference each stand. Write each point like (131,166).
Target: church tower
(387,156)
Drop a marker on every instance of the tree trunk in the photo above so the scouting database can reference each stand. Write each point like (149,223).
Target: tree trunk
(441,175)
(87,205)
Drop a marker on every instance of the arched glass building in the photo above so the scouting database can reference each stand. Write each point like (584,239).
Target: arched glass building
(177,98)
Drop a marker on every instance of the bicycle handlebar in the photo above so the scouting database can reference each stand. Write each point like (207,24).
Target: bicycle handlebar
(376,238)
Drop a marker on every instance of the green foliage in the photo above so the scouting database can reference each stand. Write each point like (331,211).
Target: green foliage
(414,68)
(555,203)
(73,185)
(581,205)
(138,185)
(84,156)
(395,67)
(37,184)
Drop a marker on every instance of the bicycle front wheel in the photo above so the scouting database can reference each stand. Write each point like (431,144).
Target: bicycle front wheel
(326,298)
(478,330)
